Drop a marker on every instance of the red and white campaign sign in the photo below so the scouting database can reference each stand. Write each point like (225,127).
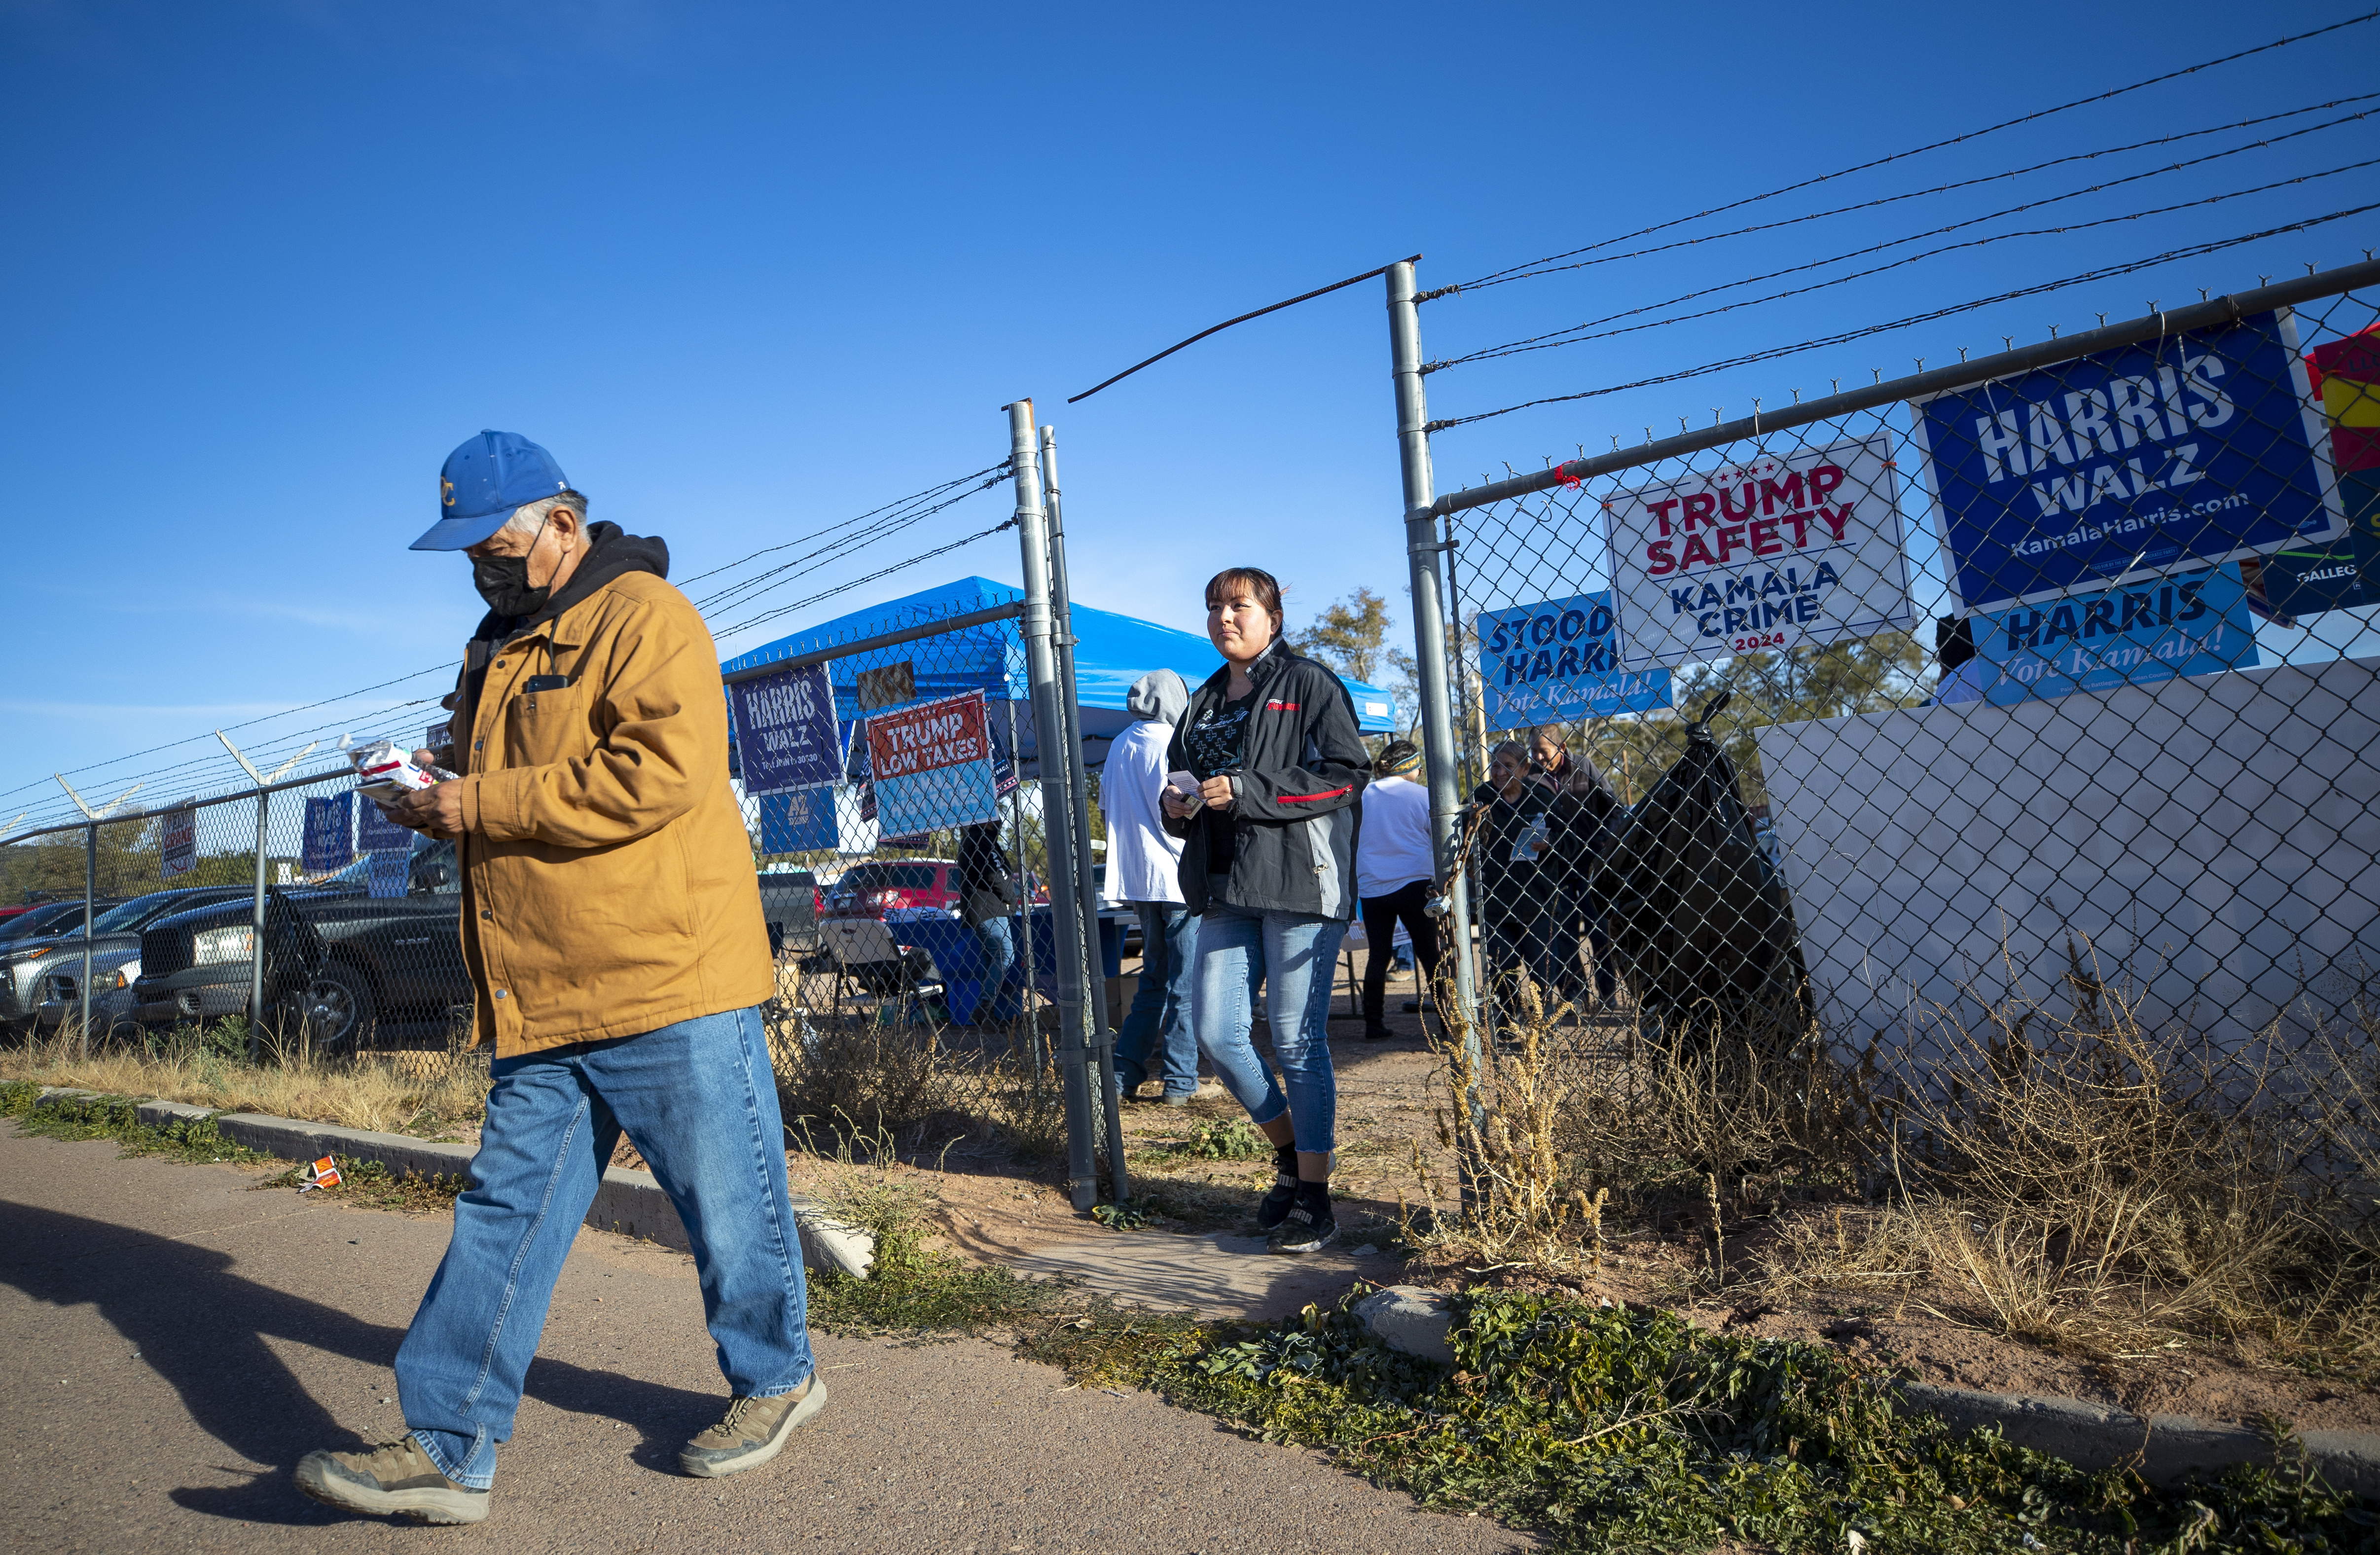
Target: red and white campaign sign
(1793,551)
(930,766)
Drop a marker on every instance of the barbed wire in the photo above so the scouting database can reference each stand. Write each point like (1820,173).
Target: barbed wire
(1513,271)
(276,747)
(934,491)
(2195,251)
(751,589)
(881,572)
(1554,340)
(1920,194)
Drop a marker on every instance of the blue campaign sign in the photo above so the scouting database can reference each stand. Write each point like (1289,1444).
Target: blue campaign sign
(330,834)
(800,820)
(2150,630)
(2195,449)
(785,733)
(375,832)
(1558,661)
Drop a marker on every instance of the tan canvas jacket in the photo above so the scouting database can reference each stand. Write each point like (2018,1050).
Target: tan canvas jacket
(608,882)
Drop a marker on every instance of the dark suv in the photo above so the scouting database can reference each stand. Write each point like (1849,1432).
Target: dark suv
(340,957)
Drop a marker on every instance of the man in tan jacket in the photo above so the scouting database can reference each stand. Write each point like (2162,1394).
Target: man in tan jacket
(612,926)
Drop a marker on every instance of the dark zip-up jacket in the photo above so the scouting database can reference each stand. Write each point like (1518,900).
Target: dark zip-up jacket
(1293,815)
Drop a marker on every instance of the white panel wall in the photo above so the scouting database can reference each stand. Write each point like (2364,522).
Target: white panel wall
(2214,840)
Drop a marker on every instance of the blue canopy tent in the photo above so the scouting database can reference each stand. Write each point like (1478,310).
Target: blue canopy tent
(1111,653)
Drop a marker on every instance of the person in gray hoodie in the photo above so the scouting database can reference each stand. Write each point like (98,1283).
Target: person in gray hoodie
(1144,867)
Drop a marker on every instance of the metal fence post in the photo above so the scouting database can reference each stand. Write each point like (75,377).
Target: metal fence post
(1422,551)
(1079,783)
(256,945)
(1049,732)
(89,892)
(255,940)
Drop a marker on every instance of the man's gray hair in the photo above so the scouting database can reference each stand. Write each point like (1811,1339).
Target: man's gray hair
(530,516)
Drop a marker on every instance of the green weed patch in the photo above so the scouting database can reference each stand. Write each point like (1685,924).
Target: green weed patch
(1611,1430)
(118,1118)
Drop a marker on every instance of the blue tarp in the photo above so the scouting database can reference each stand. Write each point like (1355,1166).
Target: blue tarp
(1111,653)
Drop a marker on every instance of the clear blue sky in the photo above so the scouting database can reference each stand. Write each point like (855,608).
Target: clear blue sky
(747,270)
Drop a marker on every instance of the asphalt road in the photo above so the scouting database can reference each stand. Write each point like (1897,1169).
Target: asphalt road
(176,1340)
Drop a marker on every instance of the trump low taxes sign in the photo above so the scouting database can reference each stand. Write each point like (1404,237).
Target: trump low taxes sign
(930,766)
(1777,552)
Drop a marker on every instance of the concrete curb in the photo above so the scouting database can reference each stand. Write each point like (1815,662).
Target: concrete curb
(629,1202)
(1419,1321)
(2096,1436)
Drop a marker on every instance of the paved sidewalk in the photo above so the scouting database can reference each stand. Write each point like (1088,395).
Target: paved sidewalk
(176,1341)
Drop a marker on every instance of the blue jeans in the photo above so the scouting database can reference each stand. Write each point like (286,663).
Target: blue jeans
(1159,1017)
(1000,1002)
(1295,956)
(700,1101)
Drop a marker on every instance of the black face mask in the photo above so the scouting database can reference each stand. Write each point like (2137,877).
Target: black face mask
(502,581)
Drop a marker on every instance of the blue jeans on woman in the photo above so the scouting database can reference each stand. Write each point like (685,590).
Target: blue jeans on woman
(698,1100)
(1295,956)
(1158,1023)
(999,1001)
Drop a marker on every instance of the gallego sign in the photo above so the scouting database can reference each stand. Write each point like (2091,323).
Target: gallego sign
(1780,553)
(2196,449)
(1558,661)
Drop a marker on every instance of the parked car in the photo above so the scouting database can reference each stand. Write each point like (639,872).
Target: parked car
(45,918)
(791,901)
(26,964)
(852,933)
(334,955)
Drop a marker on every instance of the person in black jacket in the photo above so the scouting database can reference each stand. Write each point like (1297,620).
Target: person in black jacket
(1520,884)
(1586,810)
(987,897)
(1268,863)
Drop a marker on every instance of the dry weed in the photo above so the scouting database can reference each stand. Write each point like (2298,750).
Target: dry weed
(384,1092)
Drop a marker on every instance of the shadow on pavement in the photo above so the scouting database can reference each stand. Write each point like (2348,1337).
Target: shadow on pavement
(203,1329)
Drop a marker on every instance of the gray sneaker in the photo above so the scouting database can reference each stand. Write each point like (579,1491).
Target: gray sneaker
(753,1431)
(396,1477)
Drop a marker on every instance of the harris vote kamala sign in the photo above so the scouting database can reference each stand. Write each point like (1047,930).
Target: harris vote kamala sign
(2197,448)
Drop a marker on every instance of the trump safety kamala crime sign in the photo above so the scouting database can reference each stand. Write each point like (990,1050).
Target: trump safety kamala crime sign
(1778,552)
(931,766)
(2193,449)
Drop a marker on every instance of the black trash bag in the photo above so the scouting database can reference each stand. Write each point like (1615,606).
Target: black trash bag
(1700,924)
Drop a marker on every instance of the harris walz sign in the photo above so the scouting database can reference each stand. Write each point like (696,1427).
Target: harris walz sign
(2191,450)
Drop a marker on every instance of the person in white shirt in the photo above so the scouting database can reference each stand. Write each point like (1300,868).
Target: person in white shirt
(1144,871)
(1395,867)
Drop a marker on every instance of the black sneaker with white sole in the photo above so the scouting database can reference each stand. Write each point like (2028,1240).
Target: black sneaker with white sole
(1309,1225)
(1275,1208)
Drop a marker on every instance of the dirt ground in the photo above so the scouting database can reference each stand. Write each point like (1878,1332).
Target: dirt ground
(993,1205)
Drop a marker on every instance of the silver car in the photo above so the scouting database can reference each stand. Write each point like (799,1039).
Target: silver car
(113,973)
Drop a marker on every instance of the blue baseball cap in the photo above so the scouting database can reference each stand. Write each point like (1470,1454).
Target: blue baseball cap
(483,481)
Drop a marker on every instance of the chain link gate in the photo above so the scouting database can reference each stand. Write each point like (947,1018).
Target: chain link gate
(1937,717)
(896,914)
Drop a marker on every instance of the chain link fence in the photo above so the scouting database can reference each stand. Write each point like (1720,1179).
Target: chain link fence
(1927,726)
(929,883)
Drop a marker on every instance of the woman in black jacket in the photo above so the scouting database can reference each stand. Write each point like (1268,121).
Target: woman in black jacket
(1268,862)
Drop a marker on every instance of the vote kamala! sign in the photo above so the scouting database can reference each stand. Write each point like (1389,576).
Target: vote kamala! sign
(1790,551)
(2200,447)
(1558,661)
